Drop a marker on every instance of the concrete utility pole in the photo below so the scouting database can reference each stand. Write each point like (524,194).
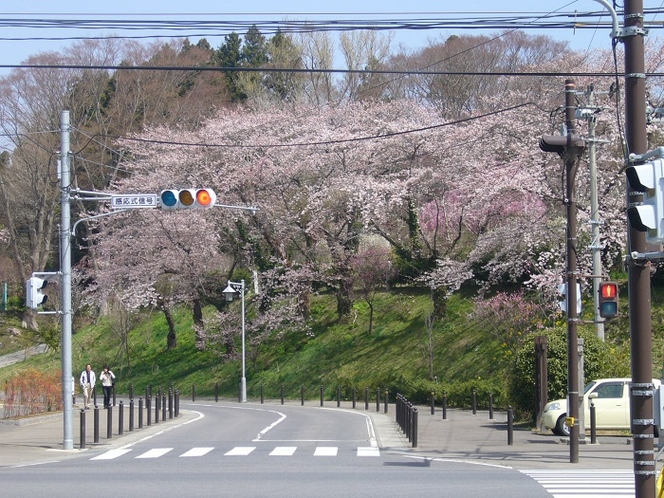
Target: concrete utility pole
(569,148)
(65,282)
(640,321)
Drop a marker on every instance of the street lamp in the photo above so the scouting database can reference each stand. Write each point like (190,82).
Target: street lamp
(229,292)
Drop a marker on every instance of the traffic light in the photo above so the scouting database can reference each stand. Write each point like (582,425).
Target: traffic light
(34,297)
(608,299)
(649,215)
(189,198)
(562,293)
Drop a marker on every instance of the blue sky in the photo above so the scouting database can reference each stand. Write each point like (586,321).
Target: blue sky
(17,50)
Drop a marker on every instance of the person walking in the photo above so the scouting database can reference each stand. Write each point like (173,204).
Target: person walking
(107,378)
(87,381)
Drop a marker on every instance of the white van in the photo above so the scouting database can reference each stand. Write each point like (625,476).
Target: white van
(612,407)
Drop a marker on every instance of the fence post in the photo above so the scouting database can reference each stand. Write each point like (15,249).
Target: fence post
(82,429)
(414,428)
(131,414)
(120,419)
(109,422)
(510,426)
(444,405)
(96,424)
(593,424)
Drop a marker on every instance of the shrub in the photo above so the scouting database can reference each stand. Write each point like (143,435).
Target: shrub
(33,392)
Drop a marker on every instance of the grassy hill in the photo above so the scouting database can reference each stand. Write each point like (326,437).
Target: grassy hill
(393,356)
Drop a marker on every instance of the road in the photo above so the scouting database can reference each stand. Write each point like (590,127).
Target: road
(275,451)
(15,357)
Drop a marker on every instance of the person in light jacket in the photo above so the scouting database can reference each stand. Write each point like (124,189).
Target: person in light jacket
(107,378)
(87,381)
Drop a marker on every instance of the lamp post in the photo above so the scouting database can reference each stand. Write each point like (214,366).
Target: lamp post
(229,292)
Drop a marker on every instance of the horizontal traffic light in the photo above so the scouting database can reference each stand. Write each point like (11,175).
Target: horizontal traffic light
(189,198)
(608,299)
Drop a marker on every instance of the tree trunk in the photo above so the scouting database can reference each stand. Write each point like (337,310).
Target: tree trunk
(171,338)
(199,328)
(344,298)
(439,299)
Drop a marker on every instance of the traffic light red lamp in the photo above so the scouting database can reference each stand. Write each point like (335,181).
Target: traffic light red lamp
(608,299)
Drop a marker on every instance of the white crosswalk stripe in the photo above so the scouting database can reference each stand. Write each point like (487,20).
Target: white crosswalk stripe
(585,483)
(330,451)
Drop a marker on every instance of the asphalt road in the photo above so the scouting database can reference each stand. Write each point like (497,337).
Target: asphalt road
(264,450)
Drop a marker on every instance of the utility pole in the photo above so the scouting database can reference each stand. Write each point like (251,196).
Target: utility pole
(594,216)
(569,148)
(640,320)
(65,283)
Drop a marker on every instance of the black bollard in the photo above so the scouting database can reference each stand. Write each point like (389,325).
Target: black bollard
(120,419)
(82,429)
(490,406)
(354,398)
(96,425)
(510,426)
(193,392)
(414,428)
(322,392)
(94,396)
(170,403)
(148,410)
(109,422)
(282,394)
(433,403)
(593,424)
(131,391)
(444,406)
(262,394)
(140,412)
(163,408)
(474,402)
(366,398)
(338,396)
(131,414)
(386,399)
(378,400)
(157,407)
(302,394)
(113,391)
(177,403)
(216,392)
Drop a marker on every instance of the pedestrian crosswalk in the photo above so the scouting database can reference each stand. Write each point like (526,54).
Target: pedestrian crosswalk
(237,451)
(585,483)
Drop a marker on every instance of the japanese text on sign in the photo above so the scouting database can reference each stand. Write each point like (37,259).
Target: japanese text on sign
(133,201)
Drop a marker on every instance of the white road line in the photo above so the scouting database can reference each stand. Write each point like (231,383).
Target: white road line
(240,451)
(111,454)
(363,451)
(155,453)
(283,451)
(326,451)
(196,452)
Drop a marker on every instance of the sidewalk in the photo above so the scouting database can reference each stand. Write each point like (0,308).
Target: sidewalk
(461,437)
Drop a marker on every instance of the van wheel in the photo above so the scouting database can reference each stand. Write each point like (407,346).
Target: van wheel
(562,429)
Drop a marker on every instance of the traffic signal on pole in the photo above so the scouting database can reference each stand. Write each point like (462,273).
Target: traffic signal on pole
(34,297)
(188,198)
(648,216)
(608,299)
(562,293)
